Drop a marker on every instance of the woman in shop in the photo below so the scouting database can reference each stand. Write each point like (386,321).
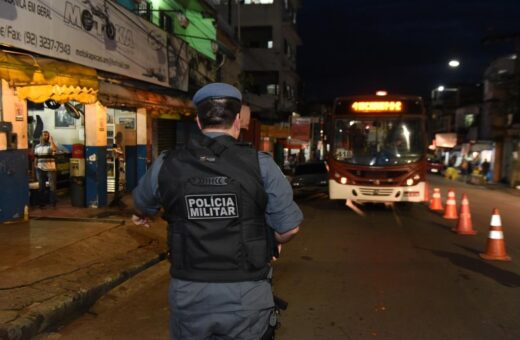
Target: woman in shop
(45,166)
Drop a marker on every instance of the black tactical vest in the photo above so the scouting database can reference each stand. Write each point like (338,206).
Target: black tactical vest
(214,202)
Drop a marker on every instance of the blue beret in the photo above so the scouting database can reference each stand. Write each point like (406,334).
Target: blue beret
(216,90)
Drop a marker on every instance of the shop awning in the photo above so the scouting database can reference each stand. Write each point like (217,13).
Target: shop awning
(58,93)
(39,79)
(112,95)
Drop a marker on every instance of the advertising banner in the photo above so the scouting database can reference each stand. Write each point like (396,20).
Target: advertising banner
(95,33)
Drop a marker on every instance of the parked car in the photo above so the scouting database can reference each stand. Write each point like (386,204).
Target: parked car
(435,166)
(311,176)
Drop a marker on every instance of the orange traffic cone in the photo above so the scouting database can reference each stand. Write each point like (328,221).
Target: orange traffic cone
(450,212)
(465,226)
(436,201)
(496,247)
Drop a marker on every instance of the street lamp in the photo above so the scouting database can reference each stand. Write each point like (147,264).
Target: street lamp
(454,63)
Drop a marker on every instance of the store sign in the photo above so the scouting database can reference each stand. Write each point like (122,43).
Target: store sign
(95,33)
(445,140)
(300,130)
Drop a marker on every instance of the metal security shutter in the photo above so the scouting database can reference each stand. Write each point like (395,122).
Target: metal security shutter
(165,134)
(185,130)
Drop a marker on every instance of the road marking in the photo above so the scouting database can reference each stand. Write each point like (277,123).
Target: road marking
(352,206)
(396,217)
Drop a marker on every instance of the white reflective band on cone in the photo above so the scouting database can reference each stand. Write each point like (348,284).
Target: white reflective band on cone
(495,221)
(465,202)
(496,235)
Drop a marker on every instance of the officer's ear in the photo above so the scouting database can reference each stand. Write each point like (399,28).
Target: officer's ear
(236,123)
(198,122)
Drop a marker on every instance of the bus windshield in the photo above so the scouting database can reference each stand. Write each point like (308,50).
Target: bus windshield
(378,141)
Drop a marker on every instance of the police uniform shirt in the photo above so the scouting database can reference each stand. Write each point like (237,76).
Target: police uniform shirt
(282,214)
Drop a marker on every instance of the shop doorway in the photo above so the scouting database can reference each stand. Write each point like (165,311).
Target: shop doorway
(65,125)
(121,153)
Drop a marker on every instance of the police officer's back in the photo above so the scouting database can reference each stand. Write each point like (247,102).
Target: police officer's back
(223,201)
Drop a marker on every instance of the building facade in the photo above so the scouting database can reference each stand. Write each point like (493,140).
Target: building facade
(501,111)
(266,30)
(88,72)
(487,128)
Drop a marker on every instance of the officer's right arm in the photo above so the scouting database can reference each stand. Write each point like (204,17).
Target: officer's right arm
(146,194)
(287,236)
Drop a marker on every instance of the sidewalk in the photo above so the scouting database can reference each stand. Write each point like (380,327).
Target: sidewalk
(440,180)
(57,264)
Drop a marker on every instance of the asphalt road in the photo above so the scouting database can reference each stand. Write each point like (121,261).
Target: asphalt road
(390,274)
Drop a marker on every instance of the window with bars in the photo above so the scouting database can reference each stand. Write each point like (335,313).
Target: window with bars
(144,10)
(165,21)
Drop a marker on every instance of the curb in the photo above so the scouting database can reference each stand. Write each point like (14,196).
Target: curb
(81,219)
(67,306)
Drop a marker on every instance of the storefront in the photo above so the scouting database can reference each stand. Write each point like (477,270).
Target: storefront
(84,125)
(82,90)
(162,127)
(32,93)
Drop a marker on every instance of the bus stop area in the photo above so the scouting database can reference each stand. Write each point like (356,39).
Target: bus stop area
(54,268)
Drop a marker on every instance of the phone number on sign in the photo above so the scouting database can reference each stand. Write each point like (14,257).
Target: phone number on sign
(46,43)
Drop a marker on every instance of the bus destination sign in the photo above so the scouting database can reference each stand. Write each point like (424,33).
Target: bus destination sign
(377,106)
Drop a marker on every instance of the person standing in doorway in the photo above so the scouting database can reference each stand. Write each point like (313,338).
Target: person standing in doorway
(44,153)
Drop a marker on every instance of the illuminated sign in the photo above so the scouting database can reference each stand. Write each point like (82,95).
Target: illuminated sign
(379,106)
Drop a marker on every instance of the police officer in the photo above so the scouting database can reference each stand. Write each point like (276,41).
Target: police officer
(222,200)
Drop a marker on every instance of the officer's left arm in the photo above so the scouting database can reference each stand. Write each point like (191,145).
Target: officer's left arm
(146,194)
(282,213)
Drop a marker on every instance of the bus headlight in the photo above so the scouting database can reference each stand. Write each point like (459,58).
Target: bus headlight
(413,180)
(343,180)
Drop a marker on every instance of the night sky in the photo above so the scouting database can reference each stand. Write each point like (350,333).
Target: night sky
(402,46)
